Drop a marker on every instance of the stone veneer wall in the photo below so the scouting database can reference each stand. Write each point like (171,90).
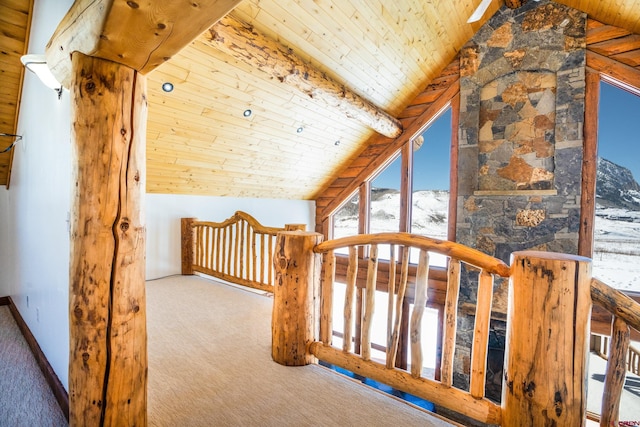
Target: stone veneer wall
(520,146)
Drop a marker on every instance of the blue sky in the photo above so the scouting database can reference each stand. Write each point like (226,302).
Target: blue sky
(431,161)
(618,128)
(618,141)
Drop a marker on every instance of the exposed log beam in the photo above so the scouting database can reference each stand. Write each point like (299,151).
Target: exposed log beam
(245,44)
(139,34)
(393,146)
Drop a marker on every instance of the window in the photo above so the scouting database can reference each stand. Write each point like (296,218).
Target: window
(431,176)
(616,245)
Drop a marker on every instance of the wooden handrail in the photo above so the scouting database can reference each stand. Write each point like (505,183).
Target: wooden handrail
(386,371)
(626,315)
(238,249)
(616,302)
(451,249)
(545,361)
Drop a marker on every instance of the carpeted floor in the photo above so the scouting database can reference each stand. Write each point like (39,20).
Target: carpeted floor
(25,397)
(210,365)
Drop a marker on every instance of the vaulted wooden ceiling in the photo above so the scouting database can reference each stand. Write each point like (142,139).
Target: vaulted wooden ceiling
(382,53)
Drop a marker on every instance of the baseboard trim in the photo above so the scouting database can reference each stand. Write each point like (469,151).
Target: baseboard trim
(52,379)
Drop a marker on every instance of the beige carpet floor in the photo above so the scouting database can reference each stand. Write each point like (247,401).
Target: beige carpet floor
(210,365)
(25,396)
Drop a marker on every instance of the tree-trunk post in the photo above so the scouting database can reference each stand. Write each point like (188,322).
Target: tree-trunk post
(547,340)
(107,318)
(187,238)
(295,227)
(295,320)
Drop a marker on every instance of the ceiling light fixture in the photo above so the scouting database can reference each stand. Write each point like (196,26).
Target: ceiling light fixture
(300,129)
(37,64)
(246,113)
(337,142)
(167,86)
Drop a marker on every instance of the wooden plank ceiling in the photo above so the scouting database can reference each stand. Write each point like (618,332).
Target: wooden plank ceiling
(15,17)
(385,51)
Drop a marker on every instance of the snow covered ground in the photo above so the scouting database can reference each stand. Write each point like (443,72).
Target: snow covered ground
(616,257)
(616,253)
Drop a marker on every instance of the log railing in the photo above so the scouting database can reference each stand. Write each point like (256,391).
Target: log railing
(550,298)
(238,249)
(600,344)
(398,246)
(626,315)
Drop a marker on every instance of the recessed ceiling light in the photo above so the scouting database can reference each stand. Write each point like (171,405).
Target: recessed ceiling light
(246,113)
(300,129)
(336,143)
(167,86)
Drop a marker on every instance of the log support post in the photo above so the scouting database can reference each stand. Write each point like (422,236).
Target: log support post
(547,340)
(107,318)
(296,301)
(295,227)
(187,238)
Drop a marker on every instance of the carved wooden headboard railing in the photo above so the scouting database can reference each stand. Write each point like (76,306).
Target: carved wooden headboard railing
(238,249)
(548,324)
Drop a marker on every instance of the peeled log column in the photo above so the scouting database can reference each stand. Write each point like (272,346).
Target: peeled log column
(107,320)
(547,340)
(295,319)
(243,43)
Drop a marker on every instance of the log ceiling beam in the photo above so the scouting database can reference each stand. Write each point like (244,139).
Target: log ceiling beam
(244,43)
(139,34)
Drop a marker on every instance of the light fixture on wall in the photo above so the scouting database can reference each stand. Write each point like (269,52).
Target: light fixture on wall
(38,65)
(482,8)
(10,135)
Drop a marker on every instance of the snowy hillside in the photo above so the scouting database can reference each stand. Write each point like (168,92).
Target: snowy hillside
(616,252)
(430,210)
(616,258)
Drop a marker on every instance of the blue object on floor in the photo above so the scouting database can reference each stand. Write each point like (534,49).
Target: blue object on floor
(424,404)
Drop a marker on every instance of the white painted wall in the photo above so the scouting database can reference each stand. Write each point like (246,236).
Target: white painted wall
(164,213)
(34,238)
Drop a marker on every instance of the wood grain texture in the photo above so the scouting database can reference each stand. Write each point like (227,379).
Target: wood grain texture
(547,340)
(244,43)
(450,249)
(482,410)
(480,345)
(140,35)
(616,373)
(15,25)
(108,351)
(589,164)
(187,242)
(295,315)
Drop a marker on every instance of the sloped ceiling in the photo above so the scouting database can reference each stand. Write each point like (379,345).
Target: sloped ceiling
(384,51)
(15,17)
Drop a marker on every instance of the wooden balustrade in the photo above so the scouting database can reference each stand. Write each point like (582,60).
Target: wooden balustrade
(626,315)
(550,298)
(239,249)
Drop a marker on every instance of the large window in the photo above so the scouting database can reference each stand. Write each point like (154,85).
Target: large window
(431,176)
(385,200)
(616,248)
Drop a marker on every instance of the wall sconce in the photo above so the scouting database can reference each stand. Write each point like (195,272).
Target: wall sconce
(11,135)
(38,65)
